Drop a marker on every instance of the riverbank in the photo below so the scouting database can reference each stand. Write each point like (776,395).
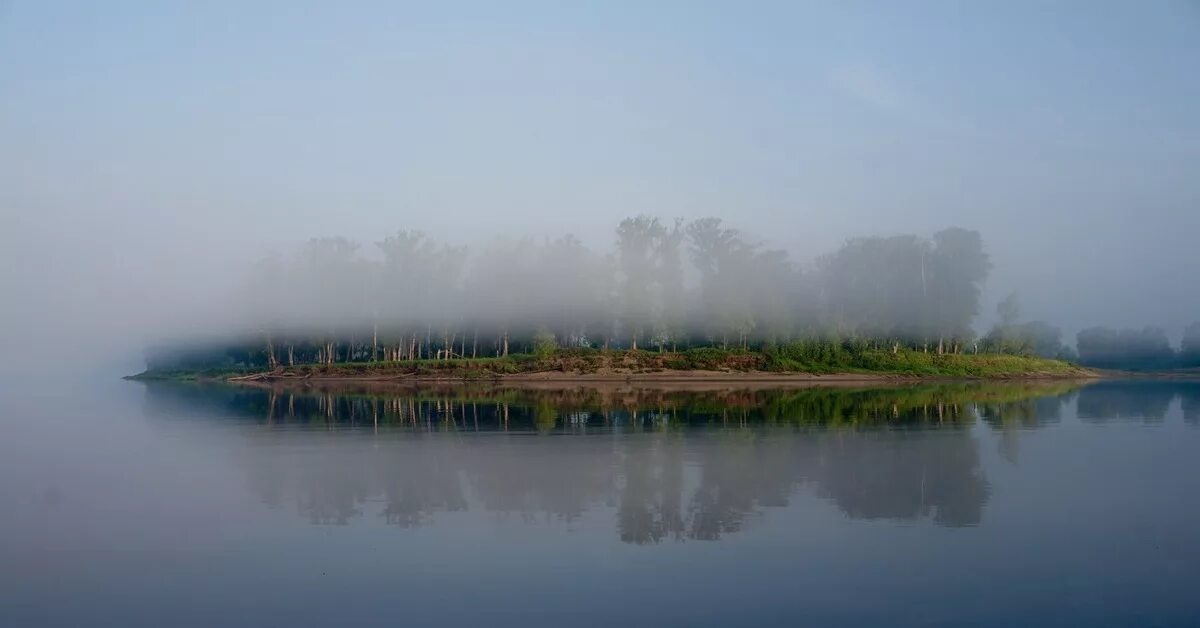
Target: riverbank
(706,364)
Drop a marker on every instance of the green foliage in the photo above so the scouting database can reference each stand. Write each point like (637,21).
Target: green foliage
(808,356)
(859,356)
(544,343)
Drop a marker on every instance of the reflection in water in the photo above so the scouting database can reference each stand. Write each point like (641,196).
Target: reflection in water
(1009,417)
(1145,400)
(1189,396)
(672,464)
(449,407)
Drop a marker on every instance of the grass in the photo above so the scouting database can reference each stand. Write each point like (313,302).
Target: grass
(800,357)
(907,362)
(183,375)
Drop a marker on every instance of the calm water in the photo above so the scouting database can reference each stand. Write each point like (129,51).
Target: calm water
(1009,504)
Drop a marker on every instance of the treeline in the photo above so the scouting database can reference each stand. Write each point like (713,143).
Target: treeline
(663,285)
(1037,338)
(1138,349)
(1098,347)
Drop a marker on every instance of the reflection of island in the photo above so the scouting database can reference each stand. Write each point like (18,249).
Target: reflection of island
(1144,400)
(1009,417)
(673,464)
(458,407)
(1189,395)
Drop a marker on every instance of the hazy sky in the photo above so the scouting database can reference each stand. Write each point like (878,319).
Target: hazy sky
(148,148)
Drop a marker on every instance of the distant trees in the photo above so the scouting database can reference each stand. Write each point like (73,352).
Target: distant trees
(1031,338)
(637,241)
(664,284)
(730,281)
(1099,347)
(959,268)
(1189,347)
(906,289)
(1147,348)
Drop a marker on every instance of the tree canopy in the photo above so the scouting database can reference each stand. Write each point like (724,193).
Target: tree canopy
(664,284)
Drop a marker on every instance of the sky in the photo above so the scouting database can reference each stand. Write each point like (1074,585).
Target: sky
(150,150)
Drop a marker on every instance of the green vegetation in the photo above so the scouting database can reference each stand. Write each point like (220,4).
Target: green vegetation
(798,357)
(547,406)
(664,285)
(184,375)
(699,295)
(818,357)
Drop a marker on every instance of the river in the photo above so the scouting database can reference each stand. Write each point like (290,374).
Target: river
(1015,503)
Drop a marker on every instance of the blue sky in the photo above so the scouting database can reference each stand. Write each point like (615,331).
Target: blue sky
(139,135)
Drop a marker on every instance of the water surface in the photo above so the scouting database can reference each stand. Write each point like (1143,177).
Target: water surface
(718,504)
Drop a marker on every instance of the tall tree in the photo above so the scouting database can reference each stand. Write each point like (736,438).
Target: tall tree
(637,239)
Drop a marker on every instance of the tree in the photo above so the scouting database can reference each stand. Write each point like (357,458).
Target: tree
(637,239)
(668,283)
(403,289)
(726,265)
(1189,347)
(1009,310)
(959,268)
(1132,349)
(544,343)
(668,277)
(879,288)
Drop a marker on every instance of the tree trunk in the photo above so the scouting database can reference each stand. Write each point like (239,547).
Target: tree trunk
(271,361)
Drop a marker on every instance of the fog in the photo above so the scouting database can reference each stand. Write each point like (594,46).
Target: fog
(152,157)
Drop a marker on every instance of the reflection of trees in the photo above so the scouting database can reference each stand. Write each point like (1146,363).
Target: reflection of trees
(518,475)
(738,473)
(1009,417)
(905,475)
(665,479)
(417,482)
(465,407)
(330,492)
(649,510)
(1189,396)
(1127,400)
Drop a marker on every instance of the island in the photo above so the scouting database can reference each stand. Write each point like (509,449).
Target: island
(702,363)
(668,298)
